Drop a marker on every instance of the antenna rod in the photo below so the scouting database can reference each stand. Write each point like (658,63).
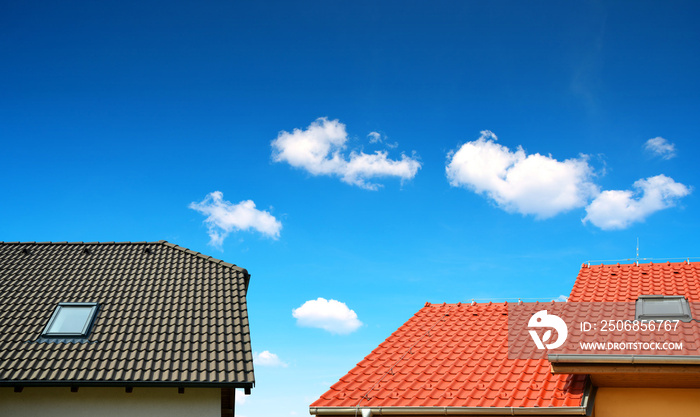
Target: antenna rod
(637,249)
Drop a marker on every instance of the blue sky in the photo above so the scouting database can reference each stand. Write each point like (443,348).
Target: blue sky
(377,154)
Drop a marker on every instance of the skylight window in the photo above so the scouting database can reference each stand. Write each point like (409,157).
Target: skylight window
(71,320)
(662,307)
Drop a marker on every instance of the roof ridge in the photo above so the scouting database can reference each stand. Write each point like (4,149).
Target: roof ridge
(651,262)
(143,242)
(201,255)
(158,242)
(473,304)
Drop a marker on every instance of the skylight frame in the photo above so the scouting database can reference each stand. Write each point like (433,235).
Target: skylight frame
(643,312)
(87,326)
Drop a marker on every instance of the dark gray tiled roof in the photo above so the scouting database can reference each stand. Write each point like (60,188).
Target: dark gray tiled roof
(168,316)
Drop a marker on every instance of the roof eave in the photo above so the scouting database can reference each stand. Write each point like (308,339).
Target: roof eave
(454,411)
(152,384)
(624,359)
(632,371)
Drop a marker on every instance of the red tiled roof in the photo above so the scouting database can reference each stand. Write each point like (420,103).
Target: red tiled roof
(452,355)
(627,282)
(456,355)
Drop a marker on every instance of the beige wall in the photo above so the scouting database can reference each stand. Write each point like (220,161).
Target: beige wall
(643,402)
(110,402)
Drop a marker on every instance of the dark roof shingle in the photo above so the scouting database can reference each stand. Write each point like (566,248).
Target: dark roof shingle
(168,316)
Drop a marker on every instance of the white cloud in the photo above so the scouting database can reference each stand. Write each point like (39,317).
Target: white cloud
(267,358)
(528,184)
(374,137)
(660,147)
(618,209)
(562,297)
(223,217)
(320,150)
(330,315)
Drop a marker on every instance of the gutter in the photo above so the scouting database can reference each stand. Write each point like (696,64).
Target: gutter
(448,411)
(624,359)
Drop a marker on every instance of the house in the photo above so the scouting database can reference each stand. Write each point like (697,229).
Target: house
(453,359)
(115,329)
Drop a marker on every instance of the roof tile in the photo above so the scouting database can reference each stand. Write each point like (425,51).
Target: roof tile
(155,298)
(628,282)
(453,355)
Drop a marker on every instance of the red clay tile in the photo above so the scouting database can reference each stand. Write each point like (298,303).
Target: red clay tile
(597,282)
(473,370)
(455,355)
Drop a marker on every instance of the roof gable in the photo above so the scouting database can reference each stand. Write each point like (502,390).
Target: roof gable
(167,315)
